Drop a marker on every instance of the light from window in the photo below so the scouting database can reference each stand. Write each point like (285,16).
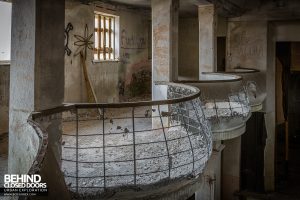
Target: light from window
(5,31)
(105,37)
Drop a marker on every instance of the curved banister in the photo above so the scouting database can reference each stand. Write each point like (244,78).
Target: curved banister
(43,144)
(183,111)
(70,106)
(242,70)
(254,81)
(225,101)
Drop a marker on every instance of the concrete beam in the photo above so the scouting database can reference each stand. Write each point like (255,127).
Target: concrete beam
(36,74)
(207,38)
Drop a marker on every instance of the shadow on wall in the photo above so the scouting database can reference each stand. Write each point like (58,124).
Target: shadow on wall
(140,83)
(136,84)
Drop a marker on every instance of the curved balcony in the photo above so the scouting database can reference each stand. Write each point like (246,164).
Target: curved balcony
(225,102)
(108,148)
(254,81)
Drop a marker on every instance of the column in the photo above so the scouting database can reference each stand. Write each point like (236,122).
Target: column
(164,50)
(36,76)
(207,38)
(231,167)
(164,41)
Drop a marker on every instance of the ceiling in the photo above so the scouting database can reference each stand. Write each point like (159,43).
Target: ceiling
(225,8)
(187,7)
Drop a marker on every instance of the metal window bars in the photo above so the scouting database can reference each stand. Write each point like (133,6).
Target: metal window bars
(132,145)
(104,37)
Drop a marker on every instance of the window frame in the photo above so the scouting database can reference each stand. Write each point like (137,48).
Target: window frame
(113,41)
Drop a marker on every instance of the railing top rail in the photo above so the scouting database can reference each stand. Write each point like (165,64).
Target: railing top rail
(71,106)
(230,78)
(242,70)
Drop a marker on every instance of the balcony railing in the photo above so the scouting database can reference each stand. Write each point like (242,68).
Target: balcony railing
(255,83)
(225,102)
(113,147)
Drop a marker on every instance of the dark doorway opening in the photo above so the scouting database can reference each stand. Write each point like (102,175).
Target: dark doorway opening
(287,147)
(252,154)
(221,54)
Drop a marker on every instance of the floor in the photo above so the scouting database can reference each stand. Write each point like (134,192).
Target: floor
(152,157)
(288,184)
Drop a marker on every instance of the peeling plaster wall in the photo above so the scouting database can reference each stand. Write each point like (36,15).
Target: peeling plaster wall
(106,77)
(247,45)
(188,60)
(4,97)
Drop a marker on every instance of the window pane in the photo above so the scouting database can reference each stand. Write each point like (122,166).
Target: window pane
(96,40)
(104,37)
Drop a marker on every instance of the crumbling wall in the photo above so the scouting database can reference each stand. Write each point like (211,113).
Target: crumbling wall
(4,97)
(135,65)
(110,79)
(247,45)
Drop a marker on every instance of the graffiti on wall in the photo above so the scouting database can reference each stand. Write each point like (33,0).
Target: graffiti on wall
(84,42)
(67,31)
(132,41)
(248,45)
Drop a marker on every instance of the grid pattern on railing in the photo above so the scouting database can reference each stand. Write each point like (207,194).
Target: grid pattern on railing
(235,105)
(116,148)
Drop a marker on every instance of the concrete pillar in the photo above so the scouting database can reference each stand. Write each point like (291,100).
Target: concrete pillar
(212,173)
(164,40)
(36,75)
(164,49)
(207,38)
(231,162)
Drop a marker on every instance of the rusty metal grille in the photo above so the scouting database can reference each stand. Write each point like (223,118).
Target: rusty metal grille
(225,103)
(132,146)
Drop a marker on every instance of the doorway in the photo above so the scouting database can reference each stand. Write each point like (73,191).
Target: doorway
(287,147)
(221,54)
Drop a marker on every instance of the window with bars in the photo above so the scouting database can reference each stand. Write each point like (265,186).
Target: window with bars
(105,41)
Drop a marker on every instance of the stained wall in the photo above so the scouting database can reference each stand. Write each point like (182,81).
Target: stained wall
(108,78)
